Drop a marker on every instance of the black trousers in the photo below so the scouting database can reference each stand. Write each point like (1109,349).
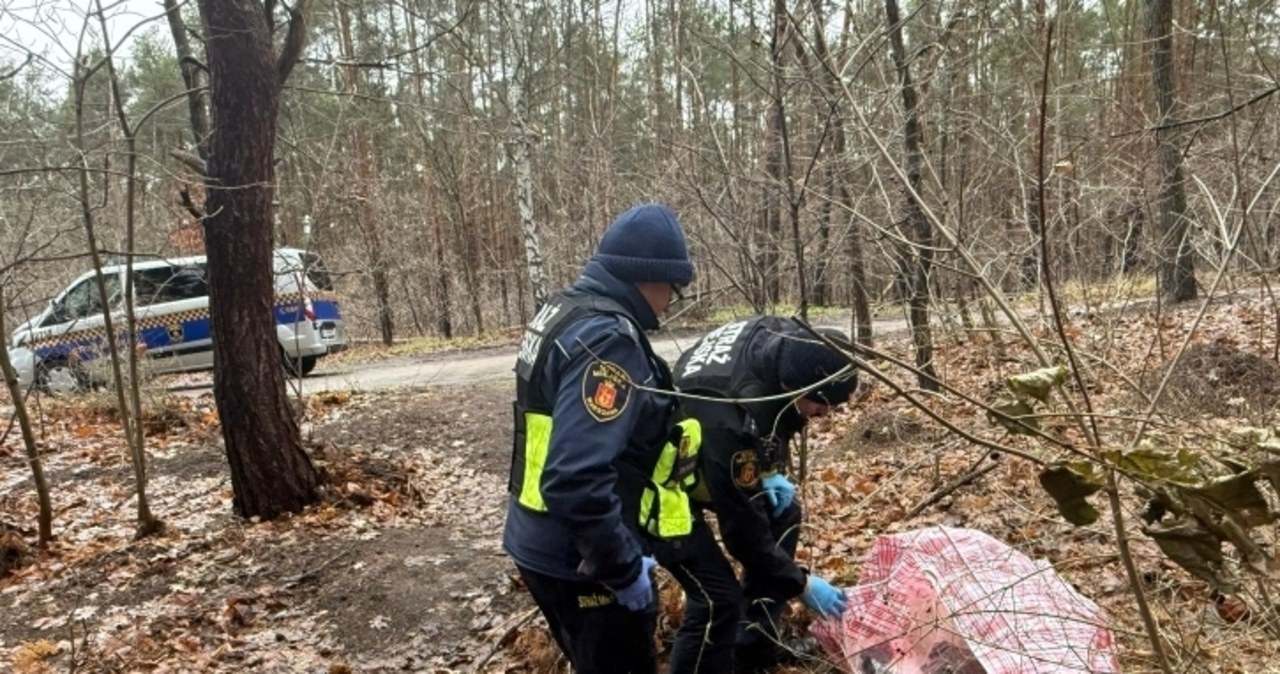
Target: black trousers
(596,634)
(728,626)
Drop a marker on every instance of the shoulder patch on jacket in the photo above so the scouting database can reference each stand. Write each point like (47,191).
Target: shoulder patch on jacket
(606,390)
(745,467)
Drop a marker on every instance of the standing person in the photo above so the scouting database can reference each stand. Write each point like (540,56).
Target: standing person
(730,626)
(588,443)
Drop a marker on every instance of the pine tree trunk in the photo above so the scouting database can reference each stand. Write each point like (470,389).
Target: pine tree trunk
(916,274)
(839,192)
(1176,262)
(364,189)
(270,472)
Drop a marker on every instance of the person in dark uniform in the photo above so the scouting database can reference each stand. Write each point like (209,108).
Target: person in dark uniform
(592,480)
(767,368)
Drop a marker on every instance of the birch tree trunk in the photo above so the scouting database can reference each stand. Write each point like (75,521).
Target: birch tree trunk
(521,146)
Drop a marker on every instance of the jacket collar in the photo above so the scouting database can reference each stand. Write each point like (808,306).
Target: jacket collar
(597,280)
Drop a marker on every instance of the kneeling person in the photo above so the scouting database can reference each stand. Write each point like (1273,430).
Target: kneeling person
(744,453)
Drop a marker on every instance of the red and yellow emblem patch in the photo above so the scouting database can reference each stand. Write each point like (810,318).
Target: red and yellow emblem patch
(606,390)
(606,395)
(746,469)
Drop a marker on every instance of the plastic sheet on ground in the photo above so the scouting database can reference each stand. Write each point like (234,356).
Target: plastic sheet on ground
(957,601)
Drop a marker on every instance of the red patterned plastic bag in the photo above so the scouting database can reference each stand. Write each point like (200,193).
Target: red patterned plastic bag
(946,600)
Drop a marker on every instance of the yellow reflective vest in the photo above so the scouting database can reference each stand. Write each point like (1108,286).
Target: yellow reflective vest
(664,506)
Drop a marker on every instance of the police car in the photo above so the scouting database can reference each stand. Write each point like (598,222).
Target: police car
(64,348)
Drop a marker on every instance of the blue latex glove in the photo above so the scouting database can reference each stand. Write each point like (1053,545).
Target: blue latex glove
(639,594)
(823,598)
(779,492)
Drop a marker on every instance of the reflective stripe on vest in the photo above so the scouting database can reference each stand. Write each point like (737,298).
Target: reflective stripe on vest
(537,433)
(664,507)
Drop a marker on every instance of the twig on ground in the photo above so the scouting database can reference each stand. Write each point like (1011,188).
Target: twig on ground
(506,634)
(294,581)
(950,487)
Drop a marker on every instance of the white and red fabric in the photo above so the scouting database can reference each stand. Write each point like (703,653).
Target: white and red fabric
(954,600)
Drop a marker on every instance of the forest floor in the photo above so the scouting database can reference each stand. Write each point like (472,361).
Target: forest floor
(400,567)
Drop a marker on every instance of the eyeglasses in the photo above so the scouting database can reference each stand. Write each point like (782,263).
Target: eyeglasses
(678,291)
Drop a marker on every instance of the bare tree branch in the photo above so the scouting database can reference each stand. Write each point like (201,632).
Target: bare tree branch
(294,40)
(14,73)
(190,160)
(184,197)
(194,74)
(389,61)
(1221,115)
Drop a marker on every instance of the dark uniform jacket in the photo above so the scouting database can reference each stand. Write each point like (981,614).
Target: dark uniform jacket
(742,441)
(598,444)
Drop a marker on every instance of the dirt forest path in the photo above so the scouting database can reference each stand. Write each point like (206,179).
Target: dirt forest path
(491,364)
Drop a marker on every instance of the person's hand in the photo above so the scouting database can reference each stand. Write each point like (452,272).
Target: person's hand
(639,594)
(779,492)
(823,598)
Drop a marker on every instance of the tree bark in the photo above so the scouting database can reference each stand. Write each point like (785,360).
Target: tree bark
(364,189)
(781,36)
(44,516)
(1176,262)
(193,76)
(840,179)
(769,239)
(270,473)
(439,280)
(521,146)
(916,273)
(130,400)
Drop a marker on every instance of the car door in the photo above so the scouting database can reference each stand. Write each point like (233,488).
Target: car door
(173,317)
(73,331)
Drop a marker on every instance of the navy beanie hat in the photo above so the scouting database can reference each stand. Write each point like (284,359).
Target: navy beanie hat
(804,361)
(646,244)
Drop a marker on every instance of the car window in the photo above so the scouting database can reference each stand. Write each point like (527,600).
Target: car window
(169,284)
(83,299)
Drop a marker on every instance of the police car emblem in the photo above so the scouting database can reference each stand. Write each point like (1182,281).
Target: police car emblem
(606,390)
(745,468)
(175,332)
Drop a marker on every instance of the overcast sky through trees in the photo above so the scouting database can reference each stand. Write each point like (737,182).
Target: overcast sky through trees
(52,29)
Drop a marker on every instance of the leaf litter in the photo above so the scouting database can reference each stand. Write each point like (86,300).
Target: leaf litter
(400,567)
